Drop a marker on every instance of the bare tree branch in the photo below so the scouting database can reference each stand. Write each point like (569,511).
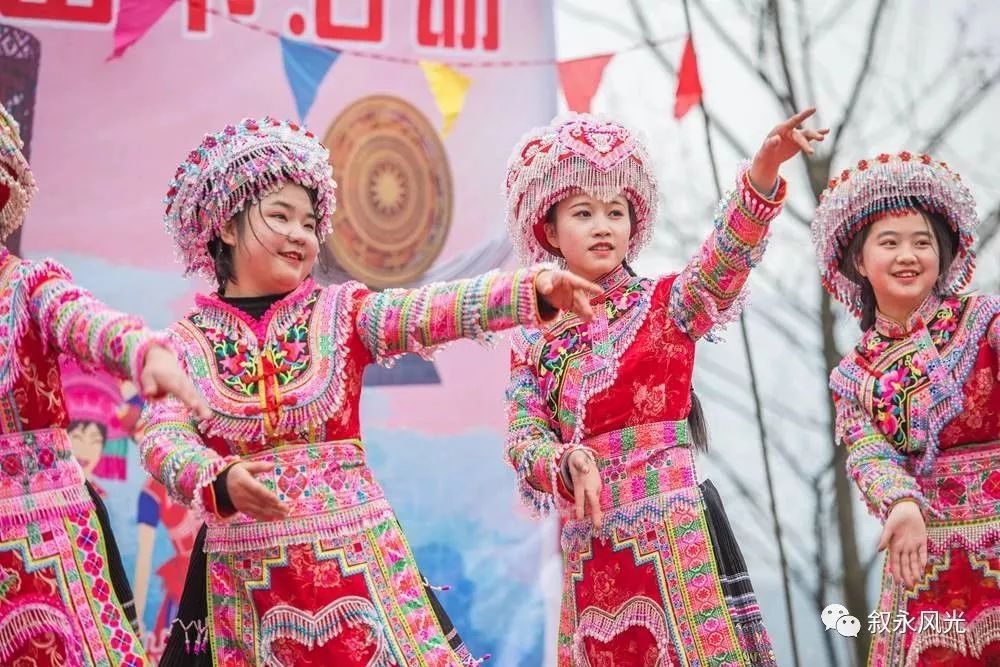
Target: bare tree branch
(597,18)
(908,111)
(859,80)
(960,110)
(819,560)
(723,130)
(989,227)
(873,560)
(761,27)
(786,413)
(737,51)
(791,99)
(789,300)
(792,338)
(752,497)
(950,64)
(805,43)
(833,18)
(747,8)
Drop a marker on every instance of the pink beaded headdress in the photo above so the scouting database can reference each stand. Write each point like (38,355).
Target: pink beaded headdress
(17,185)
(576,153)
(891,185)
(235,167)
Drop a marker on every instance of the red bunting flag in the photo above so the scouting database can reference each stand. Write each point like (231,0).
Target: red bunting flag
(580,78)
(688,82)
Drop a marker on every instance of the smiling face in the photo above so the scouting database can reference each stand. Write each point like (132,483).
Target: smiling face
(901,259)
(592,235)
(276,248)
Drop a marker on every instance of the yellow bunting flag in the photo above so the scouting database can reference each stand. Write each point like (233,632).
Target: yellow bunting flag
(448,87)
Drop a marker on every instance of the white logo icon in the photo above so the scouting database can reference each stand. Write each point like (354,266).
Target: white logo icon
(832,614)
(848,626)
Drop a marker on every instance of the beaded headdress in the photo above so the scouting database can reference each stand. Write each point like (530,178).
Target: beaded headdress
(576,153)
(884,186)
(17,184)
(237,166)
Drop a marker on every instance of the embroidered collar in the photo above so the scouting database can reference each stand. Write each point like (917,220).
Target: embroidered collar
(890,328)
(614,279)
(291,379)
(258,326)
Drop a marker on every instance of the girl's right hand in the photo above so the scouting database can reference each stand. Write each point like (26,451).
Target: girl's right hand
(162,375)
(250,496)
(564,290)
(586,486)
(905,535)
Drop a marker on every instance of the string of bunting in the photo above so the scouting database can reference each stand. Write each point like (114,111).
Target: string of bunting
(306,64)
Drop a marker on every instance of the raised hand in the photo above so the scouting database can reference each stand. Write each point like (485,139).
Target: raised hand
(782,143)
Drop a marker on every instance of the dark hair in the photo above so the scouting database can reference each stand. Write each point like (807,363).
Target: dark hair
(222,253)
(84,423)
(697,425)
(947,242)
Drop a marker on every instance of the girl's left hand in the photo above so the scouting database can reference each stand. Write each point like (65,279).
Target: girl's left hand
(162,376)
(781,144)
(905,536)
(564,290)
(586,482)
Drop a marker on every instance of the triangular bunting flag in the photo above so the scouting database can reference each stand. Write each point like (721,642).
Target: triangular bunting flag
(448,87)
(135,18)
(688,82)
(580,79)
(305,67)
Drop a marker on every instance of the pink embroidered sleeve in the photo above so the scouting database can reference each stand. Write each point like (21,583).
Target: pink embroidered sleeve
(878,469)
(709,292)
(395,321)
(533,449)
(174,453)
(77,324)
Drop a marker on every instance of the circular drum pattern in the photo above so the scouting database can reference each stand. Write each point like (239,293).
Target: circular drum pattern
(394,193)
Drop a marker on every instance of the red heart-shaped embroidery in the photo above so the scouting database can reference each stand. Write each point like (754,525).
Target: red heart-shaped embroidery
(639,613)
(283,623)
(603,145)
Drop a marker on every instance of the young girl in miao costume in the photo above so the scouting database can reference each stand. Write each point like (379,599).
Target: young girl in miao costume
(918,403)
(603,422)
(303,561)
(64,597)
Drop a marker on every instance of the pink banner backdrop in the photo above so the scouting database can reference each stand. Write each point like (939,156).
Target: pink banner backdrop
(108,133)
